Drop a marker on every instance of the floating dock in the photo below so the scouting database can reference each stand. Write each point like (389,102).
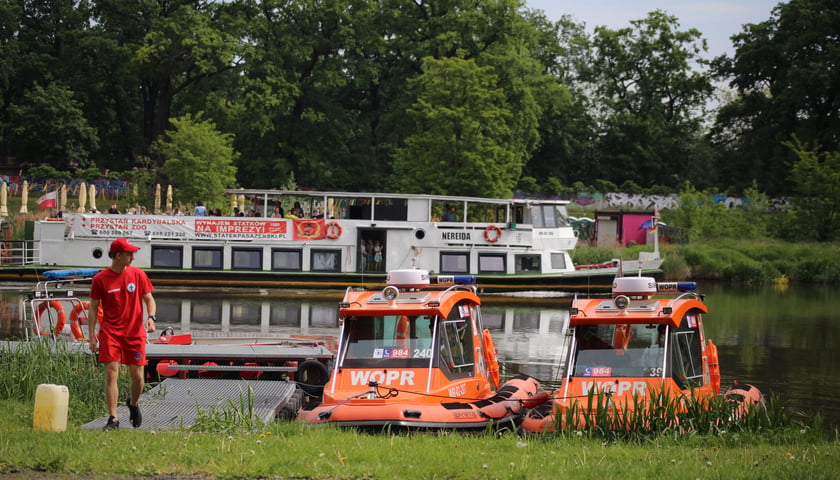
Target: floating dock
(177,404)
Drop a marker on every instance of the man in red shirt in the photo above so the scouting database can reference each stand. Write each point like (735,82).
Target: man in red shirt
(122,289)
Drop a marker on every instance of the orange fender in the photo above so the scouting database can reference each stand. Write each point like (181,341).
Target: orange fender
(714,366)
(490,358)
(401,334)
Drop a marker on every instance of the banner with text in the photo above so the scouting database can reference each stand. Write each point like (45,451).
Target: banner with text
(179,227)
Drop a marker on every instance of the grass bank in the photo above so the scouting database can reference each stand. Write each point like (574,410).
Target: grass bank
(292,450)
(757,262)
(289,450)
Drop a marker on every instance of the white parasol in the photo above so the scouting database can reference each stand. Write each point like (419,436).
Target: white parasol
(169,199)
(92,194)
(24,196)
(157,199)
(62,198)
(82,197)
(4,209)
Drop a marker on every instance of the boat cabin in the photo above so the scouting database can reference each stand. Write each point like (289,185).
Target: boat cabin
(416,355)
(408,338)
(635,336)
(646,339)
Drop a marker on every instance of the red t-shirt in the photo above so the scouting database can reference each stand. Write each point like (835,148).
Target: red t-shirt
(121,296)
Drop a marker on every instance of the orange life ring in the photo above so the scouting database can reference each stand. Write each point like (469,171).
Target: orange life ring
(61,317)
(79,315)
(714,366)
(490,358)
(492,238)
(333,230)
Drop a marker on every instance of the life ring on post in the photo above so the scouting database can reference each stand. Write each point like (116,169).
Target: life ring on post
(61,317)
(492,233)
(490,358)
(333,230)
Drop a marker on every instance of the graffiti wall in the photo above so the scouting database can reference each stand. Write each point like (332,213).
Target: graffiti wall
(634,201)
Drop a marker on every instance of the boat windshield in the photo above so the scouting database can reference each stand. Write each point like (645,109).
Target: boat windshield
(549,216)
(619,350)
(388,340)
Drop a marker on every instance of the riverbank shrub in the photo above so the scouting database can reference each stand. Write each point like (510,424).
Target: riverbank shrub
(25,365)
(761,262)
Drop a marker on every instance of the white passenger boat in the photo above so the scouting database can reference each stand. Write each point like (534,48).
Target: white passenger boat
(341,239)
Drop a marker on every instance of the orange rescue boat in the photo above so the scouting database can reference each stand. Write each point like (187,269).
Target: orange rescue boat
(417,356)
(643,344)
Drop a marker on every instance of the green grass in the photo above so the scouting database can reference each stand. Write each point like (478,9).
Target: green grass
(756,262)
(291,450)
(223,446)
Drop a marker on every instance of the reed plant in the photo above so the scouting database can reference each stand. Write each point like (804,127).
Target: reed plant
(25,365)
(658,413)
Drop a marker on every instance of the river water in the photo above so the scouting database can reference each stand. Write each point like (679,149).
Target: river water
(781,340)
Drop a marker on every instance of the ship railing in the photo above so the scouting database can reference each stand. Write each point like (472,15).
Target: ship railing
(39,318)
(19,253)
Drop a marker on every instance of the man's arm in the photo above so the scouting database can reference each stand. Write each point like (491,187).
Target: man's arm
(151,311)
(92,316)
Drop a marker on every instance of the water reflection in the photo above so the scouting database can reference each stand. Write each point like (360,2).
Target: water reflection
(529,340)
(227,316)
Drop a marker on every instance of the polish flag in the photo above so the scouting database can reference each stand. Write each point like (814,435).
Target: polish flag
(48,200)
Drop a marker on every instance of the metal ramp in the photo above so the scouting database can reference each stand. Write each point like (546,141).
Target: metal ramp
(176,403)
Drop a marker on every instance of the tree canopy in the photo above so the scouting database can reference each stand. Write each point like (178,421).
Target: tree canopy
(452,96)
(199,159)
(784,74)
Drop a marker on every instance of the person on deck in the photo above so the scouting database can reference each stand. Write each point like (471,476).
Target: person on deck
(121,290)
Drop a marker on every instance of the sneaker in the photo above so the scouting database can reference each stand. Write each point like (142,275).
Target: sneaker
(113,424)
(134,413)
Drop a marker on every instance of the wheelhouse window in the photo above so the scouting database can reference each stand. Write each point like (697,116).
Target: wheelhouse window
(325,260)
(387,341)
(688,360)
(456,353)
(455,262)
(246,259)
(167,257)
(549,216)
(558,260)
(527,263)
(619,350)
(491,263)
(286,259)
(207,258)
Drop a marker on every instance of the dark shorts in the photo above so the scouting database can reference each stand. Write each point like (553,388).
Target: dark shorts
(126,350)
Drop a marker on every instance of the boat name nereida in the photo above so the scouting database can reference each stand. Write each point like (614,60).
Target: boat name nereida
(455,236)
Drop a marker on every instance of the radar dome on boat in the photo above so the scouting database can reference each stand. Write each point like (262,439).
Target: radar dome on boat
(634,286)
(409,278)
